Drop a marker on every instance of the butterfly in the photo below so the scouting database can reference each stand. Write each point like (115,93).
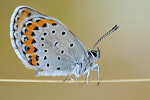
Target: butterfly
(46,45)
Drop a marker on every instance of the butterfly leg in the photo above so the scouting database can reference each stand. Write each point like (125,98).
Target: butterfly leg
(77,80)
(97,69)
(72,72)
(88,74)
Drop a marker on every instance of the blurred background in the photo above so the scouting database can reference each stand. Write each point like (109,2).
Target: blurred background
(125,54)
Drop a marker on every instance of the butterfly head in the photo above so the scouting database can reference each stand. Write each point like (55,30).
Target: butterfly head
(95,54)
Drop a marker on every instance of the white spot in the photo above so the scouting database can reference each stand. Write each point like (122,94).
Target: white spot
(24,29)
(16,18)
(29,22)
(36,19)
(15,26)
(16,35)
(21,11)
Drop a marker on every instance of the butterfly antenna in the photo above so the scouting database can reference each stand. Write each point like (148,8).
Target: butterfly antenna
(109,32)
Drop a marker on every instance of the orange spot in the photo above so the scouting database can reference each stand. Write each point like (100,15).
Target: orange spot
(29,41)
(32,26)
(34,61)
(19,21)
(25,13)
(28,33)
(51,22)
(41,22)
(21,17)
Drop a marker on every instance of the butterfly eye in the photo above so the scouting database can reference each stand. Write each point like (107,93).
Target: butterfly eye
(94,53)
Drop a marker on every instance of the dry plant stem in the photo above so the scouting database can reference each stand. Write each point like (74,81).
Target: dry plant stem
(72,81)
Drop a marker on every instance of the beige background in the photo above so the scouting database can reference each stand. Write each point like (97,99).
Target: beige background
(125,54)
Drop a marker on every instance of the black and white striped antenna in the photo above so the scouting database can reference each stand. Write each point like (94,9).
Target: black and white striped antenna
(109,32)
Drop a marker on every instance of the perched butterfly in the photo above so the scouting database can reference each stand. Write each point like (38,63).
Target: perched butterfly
(46,45)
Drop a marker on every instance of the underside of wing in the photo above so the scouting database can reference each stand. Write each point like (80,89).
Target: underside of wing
(44,42)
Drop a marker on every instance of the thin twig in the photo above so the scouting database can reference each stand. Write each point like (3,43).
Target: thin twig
(72,81)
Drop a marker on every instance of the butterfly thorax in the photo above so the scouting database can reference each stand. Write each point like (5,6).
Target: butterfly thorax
(87,63)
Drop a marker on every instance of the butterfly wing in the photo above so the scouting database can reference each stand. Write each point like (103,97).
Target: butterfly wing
(44,43)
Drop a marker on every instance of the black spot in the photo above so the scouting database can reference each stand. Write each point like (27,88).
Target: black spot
(45,57)
(42,38)
(16,26)
(33,41)
(55,44)
(62,51)
(53,31)
(58,58)
(85,69)
(54,24)
(42,44)
(22,11)
(21,42)
(45,33)
(30,19)
(22,33)
(30,61)
(45,25)
(45,51)
(47,64)
(58,68)
(32,34)
(94,53)
(37,20)
(17,18)
(25,39)
(29,24)
(36,28)
(29,14)
(29,56)
(35,49)
(26,48)
(25,30)
(37,57)
(63,33)
(71,45)
(37,64)
(24,53)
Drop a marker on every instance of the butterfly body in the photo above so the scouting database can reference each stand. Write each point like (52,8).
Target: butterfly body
(45,44)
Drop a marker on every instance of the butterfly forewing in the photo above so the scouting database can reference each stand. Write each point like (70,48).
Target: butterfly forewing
(42,42)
